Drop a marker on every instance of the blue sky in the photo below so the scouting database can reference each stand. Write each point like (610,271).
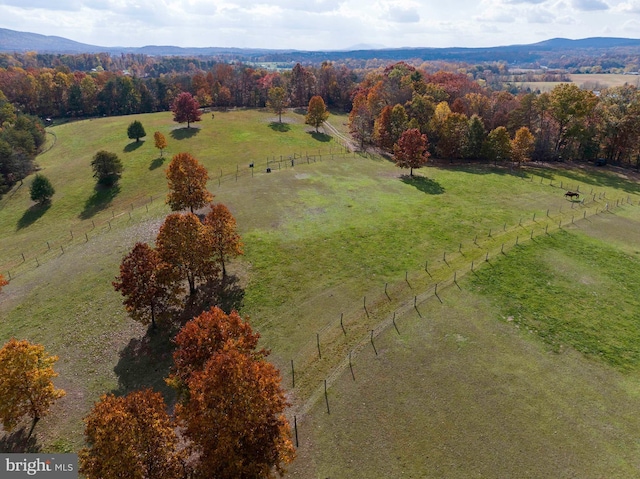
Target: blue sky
(321,24)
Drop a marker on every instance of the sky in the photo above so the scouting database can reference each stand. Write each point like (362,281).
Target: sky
(321,24)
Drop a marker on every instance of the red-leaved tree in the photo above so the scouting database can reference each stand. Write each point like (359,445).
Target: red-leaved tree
(185,108)
(411,150)
(146,283)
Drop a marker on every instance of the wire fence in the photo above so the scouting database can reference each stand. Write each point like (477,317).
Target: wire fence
(17,260)
(330,350)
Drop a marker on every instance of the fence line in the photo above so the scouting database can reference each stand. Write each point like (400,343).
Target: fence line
(26,260)
(365,323)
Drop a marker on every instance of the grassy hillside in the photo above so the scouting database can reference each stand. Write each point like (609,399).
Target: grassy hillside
(350,236)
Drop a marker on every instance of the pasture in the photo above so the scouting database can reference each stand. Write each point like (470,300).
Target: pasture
(590,81)
(453,389)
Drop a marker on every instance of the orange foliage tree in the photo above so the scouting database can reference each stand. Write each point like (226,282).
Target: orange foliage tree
(3,282)
(522,145)
(316,112)
(130,437)
(204,336)
(145,282)
(221,226)
(160,141)
(187,180)
(233,410)
(183,243)
(25,383)
(411,150)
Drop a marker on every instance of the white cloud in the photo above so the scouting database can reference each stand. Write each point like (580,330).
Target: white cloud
(632,6)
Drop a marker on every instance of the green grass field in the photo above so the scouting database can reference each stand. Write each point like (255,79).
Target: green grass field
(457,389)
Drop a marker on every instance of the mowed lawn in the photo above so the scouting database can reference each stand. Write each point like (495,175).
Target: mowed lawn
(322,239)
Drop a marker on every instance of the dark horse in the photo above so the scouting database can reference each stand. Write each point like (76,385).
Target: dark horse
(571,195)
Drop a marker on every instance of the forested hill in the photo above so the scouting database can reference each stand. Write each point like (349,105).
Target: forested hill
(547,52)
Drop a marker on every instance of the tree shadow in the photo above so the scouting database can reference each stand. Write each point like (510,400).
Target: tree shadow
(184,133)
(227,294)
(323,137)
(146,362)
(133,146)
(19,442)
(101,198)
(281,127)
(32,214)
(424,184)
(603,179)
(157,163)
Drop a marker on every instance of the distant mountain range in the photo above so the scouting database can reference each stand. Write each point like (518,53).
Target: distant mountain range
(14,41)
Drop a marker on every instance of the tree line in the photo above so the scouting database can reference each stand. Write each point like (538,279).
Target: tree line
(21,139)
(61,92)
(461,116)
(463,120)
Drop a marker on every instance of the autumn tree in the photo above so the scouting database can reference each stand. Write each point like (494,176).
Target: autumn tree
(233,409)
(3,282)
(277,101)
(382,129)
(316,112)
(411,150)
(570,107)
(183,243)
(130,437)
(206,335)
(26,388)
(145,282)
(522,145)
(361,120)
(41,189)
(186,108)
(221,227)
(188,183)
(107,167)
(160,141)
(135,131)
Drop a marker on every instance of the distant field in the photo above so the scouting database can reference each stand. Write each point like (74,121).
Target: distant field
(457,390)
(605,80)
(591,81)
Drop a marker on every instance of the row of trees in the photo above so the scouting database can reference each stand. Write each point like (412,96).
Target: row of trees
(187,250)
(60,92)
(229,421)
(463,120)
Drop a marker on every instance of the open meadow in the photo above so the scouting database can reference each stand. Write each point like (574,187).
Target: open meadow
(590,81)
(468,322)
